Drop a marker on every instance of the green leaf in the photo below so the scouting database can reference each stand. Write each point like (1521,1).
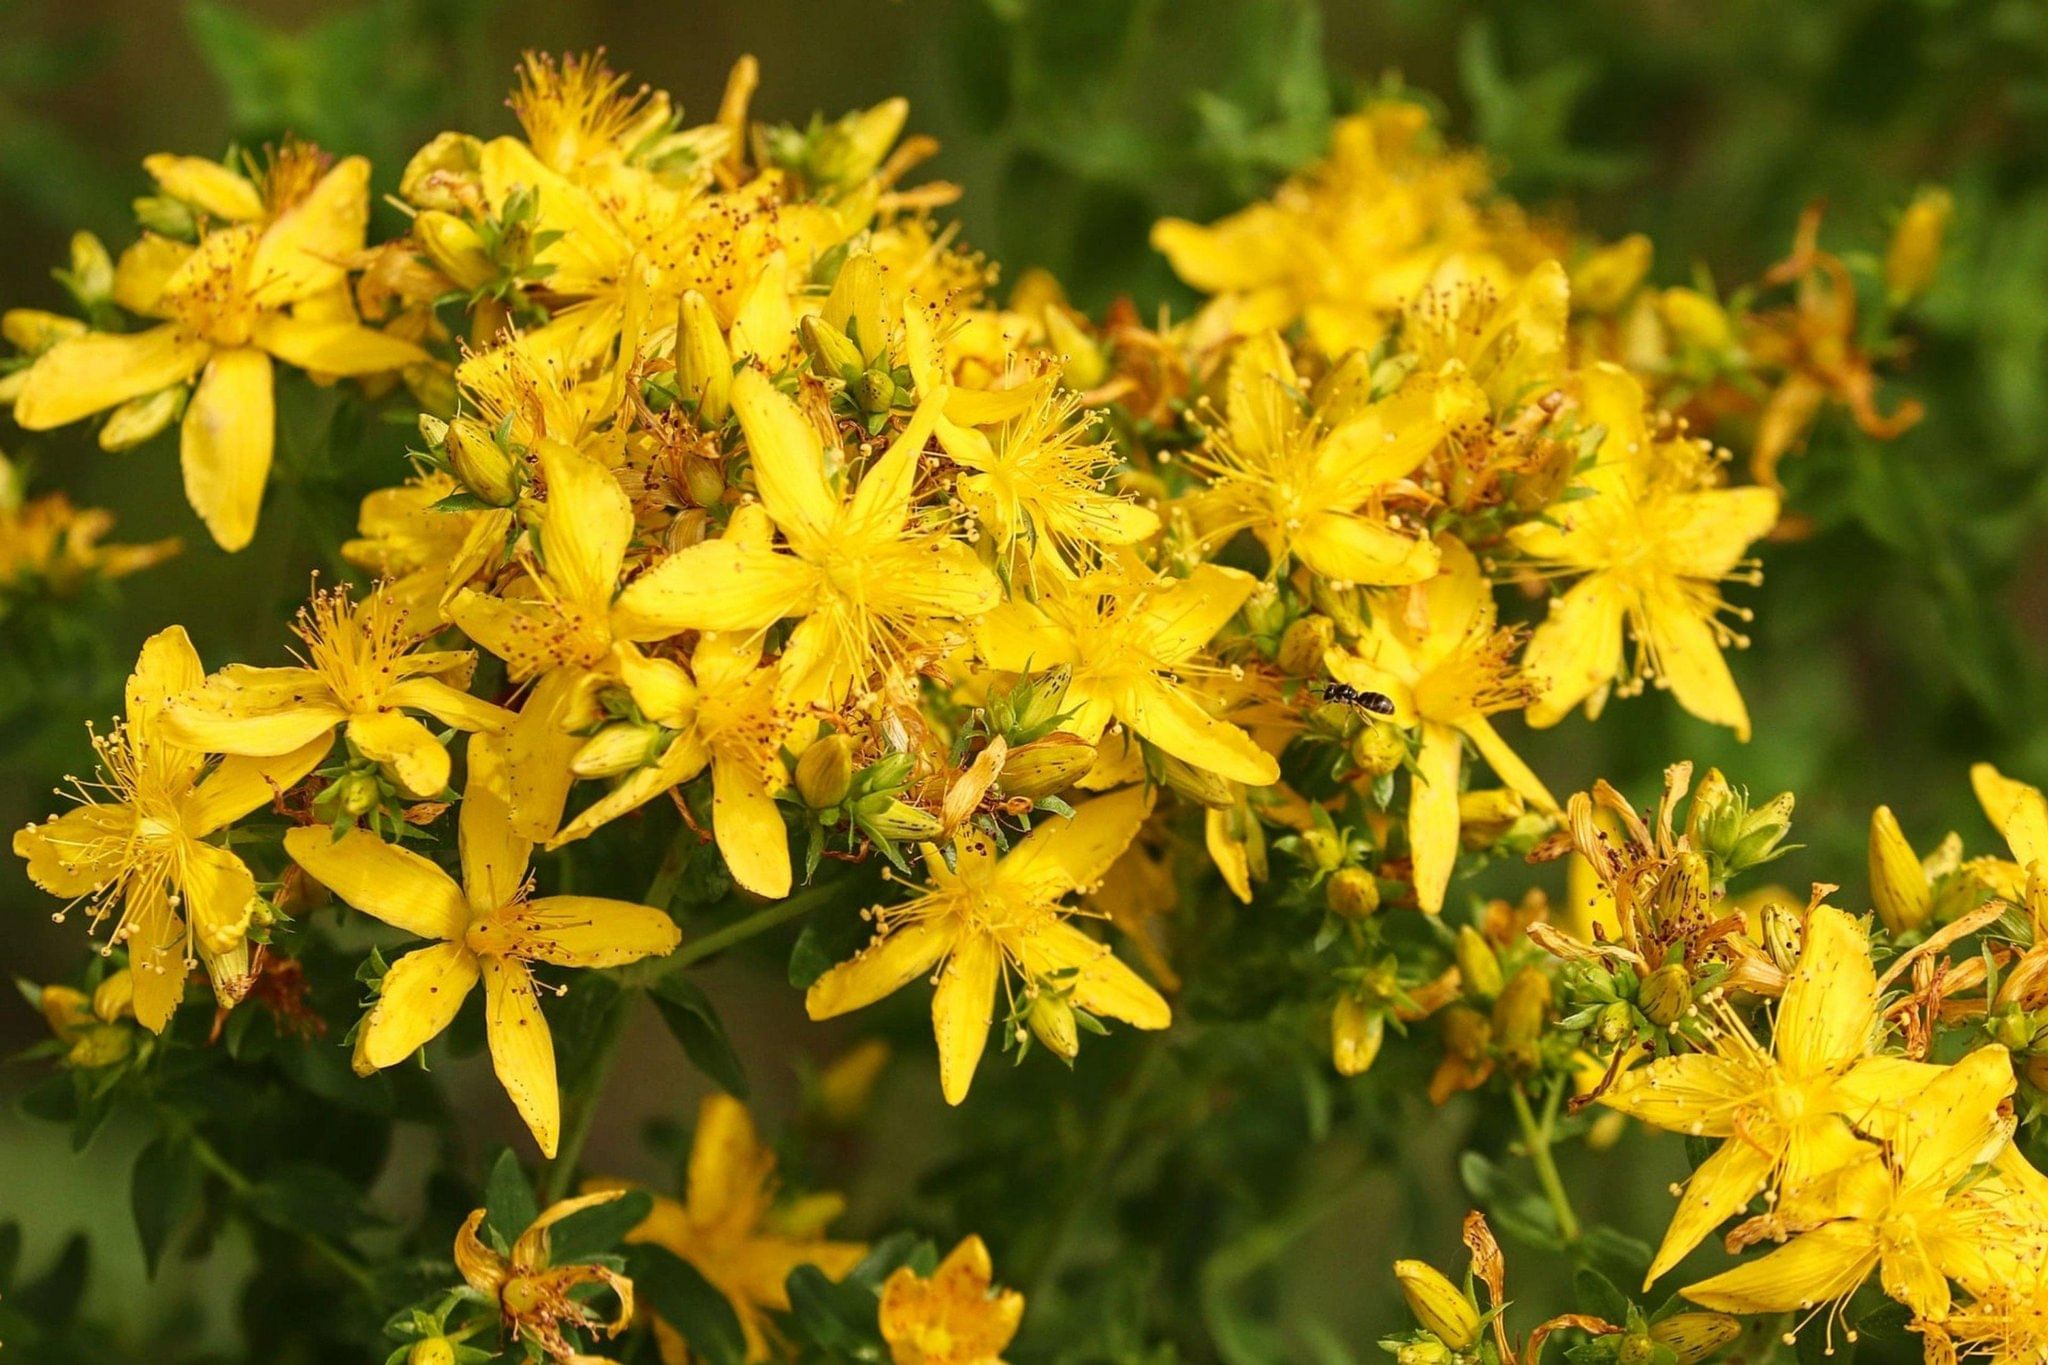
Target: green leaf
(598,1229)
(509,1205)
(1597,1295)
(161,1191)
(672,1287)
(690,1017)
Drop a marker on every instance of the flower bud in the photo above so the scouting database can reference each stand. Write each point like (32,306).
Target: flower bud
(141,419)
(1303,644)
(1714,818)
(874,392)
(165,216)
(854,307)
(33,331)
(1603,281)
(1697,320)
(1045,767)
(833,355)
(1086,365)
(1352,892)
(1439,1306)
(895,820)
(1484,816)
(615,750)
(1915,250)
(1898,884)
(703,480)
(359,792)
(484,466)
(1324,847)
(1762,833)
(1666,994)
(1051,1017)
(443,175)
(1519,1016)
(1681,895)
(455,248)
(845,1085)
(1378,749)
(431,1351)
(1466,1033)
(824,772)
(1425,1352)
(1784,934)
(1356,1031)
(91,275)
(1478,965)
(1198,785)
(1614,1023)
(101,1045)
(433,430)
(703,359)
(1694,1337)
(65,1009)
(1637,1348)
(114,998)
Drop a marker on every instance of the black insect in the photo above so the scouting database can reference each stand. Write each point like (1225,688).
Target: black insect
(1344,694)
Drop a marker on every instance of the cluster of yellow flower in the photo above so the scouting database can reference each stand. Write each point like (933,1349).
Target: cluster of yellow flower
(756,499)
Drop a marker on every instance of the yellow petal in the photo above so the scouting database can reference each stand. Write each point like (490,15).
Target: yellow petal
(1354,549)
(494,856)
(1816,1268)
(1433,814)
(961,1009)
(1104,985)
(78,852)
(1019,636)
(2018,810)
(243,784)
(143,271)
(156,952)
(748,826)
(100,370)
(885,966)
(715,585)
(1507,765)
(340,348)
(166,667)
(226,720)
(217,887)
(307,249)
(1262,397)
(406,749)
(728,1165)
(1391,437)
(1234,253)
(788,460)
(1825,1020)
(1064,854)
(229,433)
(1169,717)
(1232,860)
(1692,1092)
(208,186)
(881,505)
(422,993)
(1722,1186)
(587,526)
(396,885)
(450,705)
(1709,532)
(1688,658)
(522,1049)
(928,577)
(684,758)
(580,931)
(1947,1128)
(1577,651)
(1179,621)
(524,634)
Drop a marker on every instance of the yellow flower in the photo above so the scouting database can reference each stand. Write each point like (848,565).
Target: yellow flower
(423,553)
(489,926)
(1131,645)
(870,583)
(952,1317)
(1040,478)
(1901,1215)
(1438,654)
(987,919)
(361,674)
(144,845)
(1785,1112)
(260,286)
(1307,480)
(47,546)
(1654,539)
(536,1298)
(730,1228)
(722,712)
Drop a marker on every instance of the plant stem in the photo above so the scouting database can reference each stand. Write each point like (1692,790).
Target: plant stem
(1536,1138)
(762,920)
(243,1188)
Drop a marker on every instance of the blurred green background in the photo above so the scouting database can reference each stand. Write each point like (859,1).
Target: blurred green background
(1900,641)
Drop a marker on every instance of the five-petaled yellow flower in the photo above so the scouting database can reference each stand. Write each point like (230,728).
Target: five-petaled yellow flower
(144,841)
(954,1316)
(268,279)
(985,920)
(489,926)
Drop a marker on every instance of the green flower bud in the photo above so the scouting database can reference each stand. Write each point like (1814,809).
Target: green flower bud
(1666,994)
(1086,365)
(1427,1352)
(1303,644)
(1045,767)
(91,275)
(1694,1337)
(1439,1306)
(1762,833)
(1637,1348)
(360,792)
(456,249)
(1378,749)
(101,1045)
(1352,892)
(1051,1016)
(1324,847)
(443,174)
(33,331)
(1477,964)
(484,466)
(895,820)
(874,392)
(824,772)
(1614,1023)
(1198,785)
(833,355)
(168,217)
(142,419)
(432,1351)
(616,750)
(1784,935)
(703,480)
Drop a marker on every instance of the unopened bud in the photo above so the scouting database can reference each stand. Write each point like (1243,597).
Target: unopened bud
(1694,1337)
(1379,749)
(1086,365)
(845,1085)
(1604,280)
(1681,895)
(1478,965)
(1484,816)
(1428,1351)
(1466,1033)
(142,419)
(1356,1031)
(443,175)
(1697,320)
(1198,785)
(360,793)
(165,216)
(1614,1023)
(33,331)
(832,353)
(65,1009)
(1439,1306)
(854,307)
(1637,1348)
(91,275)
(1033,706)
(1898,884)
(615,750)
(1519,1016)
(1762,833)
(703,480)
(1714,818)
(895,820)
(485,467)
(1915,250)
(1352,892)
(114,998)
(100,1045)
(1666,994)
(703,359)
(1046,767)
(1324,847)
(1052,1022)
(1303,644)
(431,1351)
(455,248)
(824,772)
(874,392)
(1784,934)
